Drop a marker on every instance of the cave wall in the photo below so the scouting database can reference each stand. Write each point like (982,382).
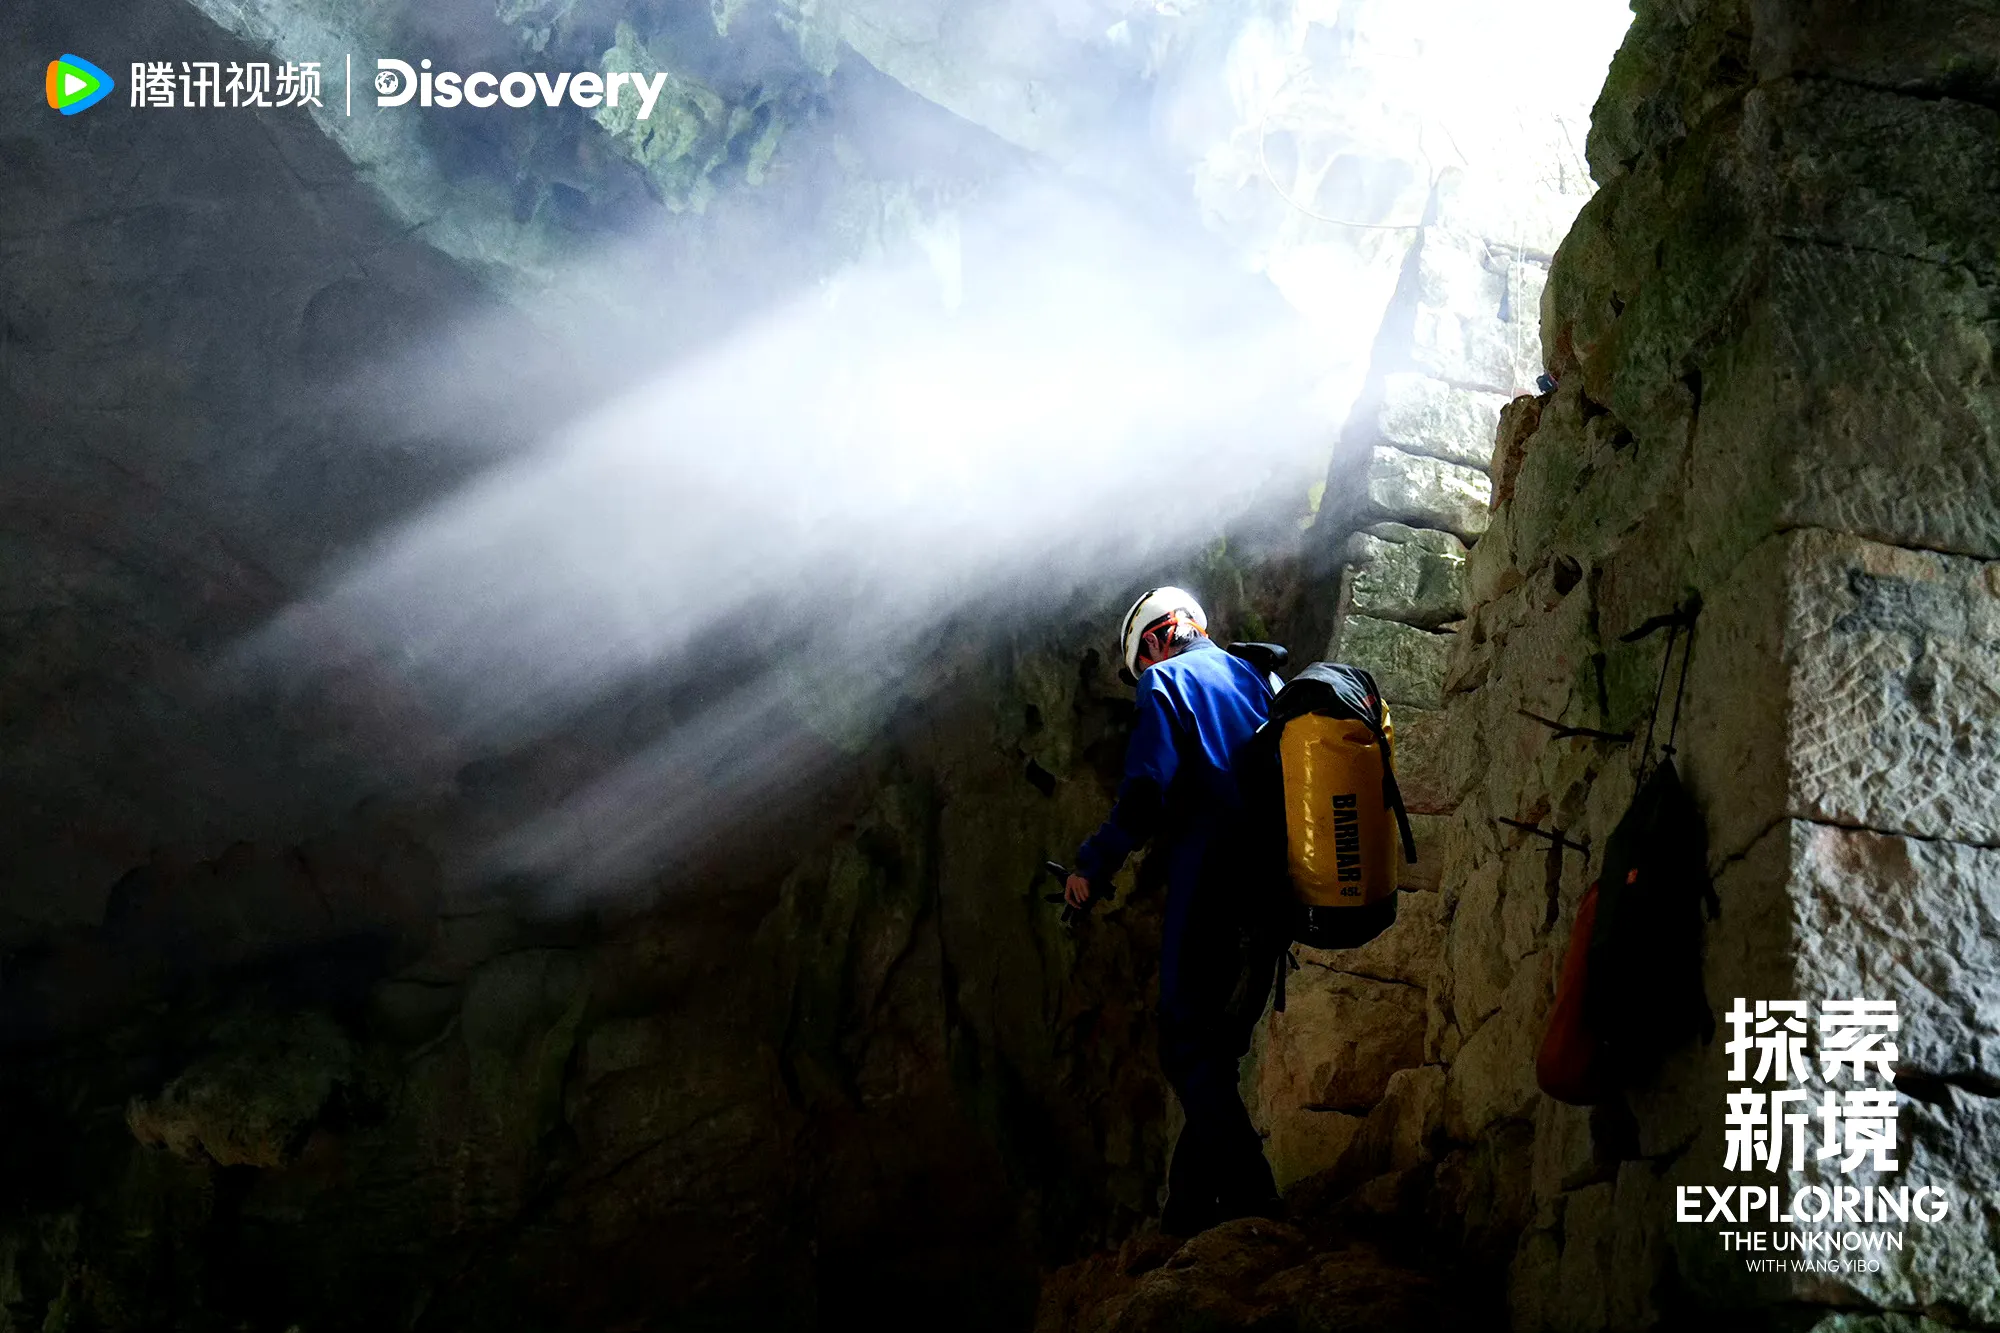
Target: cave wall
(181,304)
(261,1037)
(864,1072)
(1407,491)
(1773,332)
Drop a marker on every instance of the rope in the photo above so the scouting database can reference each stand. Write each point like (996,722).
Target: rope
(1684,618)
(1680,690)
(1659,693)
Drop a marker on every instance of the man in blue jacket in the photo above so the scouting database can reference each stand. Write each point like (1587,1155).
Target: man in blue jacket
(1197,706)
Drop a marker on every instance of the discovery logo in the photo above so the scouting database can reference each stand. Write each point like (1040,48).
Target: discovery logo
(74,84)
(396,82)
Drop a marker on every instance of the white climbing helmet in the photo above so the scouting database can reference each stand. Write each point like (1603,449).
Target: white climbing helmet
(1149,611)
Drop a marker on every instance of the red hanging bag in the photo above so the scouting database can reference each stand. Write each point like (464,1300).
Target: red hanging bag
(1570,1066)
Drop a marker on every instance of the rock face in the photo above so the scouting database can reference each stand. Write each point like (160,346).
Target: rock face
(1354,1022)
(252,1102)
(882,1081)
(1407,493)
(1412,575)
(1719,428)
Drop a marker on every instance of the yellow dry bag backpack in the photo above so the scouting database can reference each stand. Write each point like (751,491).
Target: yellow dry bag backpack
(1321,783)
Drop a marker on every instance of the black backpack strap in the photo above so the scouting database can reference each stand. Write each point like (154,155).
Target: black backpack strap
(1392,791)
(1392,796)
(1287,962)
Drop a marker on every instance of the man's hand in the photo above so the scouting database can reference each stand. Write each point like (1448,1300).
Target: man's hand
(1076,891)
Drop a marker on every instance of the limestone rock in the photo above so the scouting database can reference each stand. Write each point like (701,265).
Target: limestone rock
(1356,1289)
(1736,725)
(1459,272)
(688,136)
(1828,435)
(1340,1039)
(1419,580)
(253,1099)
(1948,1138)
(1421,415)
(1586,479)
(1590,1218)
(1402,1130)
(1493,1076)
(1428,788)
(1209,1282)
(1019,76)
(1302,1141)
(1566,1156)
(1523,218)
(1408,952)
(1908,919)
(640,1107)
(1424,492)
(1612,1255)
(1427,874)
(1408,663)
(1931,47)
(1812,432)
(1847,891)
(1532,1275)
(1355,1020)
(1894,660)
(1675,67)
(1491,354)
(1481,1197)
(1873,1322)
(1519,418)
(1881,717)
(1877,171)
(411,1012)
(1477,960)
(1424,539)
(1477,308)
(1728,420)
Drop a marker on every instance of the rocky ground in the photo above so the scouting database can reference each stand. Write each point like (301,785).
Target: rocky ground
(1274,1277)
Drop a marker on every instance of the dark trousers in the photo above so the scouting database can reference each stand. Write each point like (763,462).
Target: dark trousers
(1218,1170)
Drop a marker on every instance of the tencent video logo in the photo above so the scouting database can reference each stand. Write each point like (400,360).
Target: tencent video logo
(74,84)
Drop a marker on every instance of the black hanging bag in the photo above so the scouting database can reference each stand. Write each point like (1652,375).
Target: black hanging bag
(1644,995)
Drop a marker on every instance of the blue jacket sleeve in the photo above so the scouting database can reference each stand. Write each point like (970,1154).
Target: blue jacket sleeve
(1150,762)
